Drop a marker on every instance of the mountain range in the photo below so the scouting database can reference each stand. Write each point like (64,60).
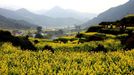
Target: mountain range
(112,14)
(8,23)
(58,12)
(44,20)
(59,18)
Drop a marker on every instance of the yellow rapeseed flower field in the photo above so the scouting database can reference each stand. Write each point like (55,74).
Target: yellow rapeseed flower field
(14,61)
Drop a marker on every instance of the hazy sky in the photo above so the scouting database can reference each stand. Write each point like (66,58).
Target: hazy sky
(90,6)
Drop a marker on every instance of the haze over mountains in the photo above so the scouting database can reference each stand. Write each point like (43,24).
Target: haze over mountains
(14,24)
(58,12)
(113,14)
(60,18)
(54,18)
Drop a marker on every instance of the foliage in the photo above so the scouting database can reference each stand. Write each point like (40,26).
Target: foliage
(122,36)
(87,37)
(112,31)
(38,35)
(94,29)
(128,21)
(67,57)
(17,62)
(64,39)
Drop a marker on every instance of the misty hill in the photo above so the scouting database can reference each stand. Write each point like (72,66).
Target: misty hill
(42,20)
(14,15)
(58,12)
(14,24)
(47,21)
(113,14)
(10,14)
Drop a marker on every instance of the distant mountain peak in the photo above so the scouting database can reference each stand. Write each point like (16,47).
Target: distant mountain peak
(22,9)
(9,23)
(57,7)
(113,14)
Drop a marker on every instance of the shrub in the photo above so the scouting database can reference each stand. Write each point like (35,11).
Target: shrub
(23,42)
(72,39)
(64,40)
(39,35)
(36,41)
(128,42)
(94,29)
(87,38)
(112,31)
(47,47)
(122,36)
(100,48)
(79,35)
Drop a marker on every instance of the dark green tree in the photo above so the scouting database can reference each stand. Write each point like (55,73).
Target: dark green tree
(39,32)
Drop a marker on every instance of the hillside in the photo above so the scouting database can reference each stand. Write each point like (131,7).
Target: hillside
(58,12)
(45,21)
(113,14)
(10,14)
(14,24)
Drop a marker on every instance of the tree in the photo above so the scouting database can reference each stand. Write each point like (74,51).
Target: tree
(94,29)
(39,29)
(39,32)
(106,24)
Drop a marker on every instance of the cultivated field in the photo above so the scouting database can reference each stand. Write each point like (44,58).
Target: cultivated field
(68,59)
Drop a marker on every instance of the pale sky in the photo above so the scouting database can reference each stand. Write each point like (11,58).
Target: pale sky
(90,6)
